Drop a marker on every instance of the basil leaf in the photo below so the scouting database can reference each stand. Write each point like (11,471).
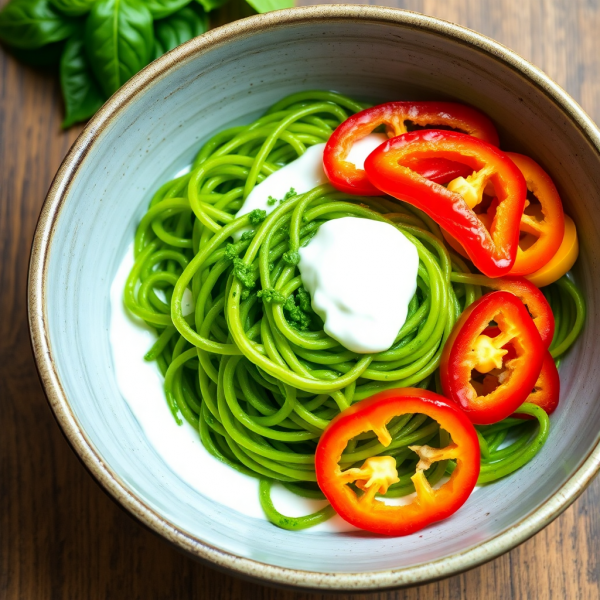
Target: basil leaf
(73,8)
(209,5)
(33,23)
(164,8)
(178,28)
(119,41)
(48,57)
(263,6)
(80,91)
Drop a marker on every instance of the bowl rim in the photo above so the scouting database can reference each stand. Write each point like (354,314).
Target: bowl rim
(78,439)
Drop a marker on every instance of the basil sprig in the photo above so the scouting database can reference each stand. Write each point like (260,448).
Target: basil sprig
(73,8)
(30,24)
(82,95)
(119,40)
(165,8)
(180,27)
(100,44)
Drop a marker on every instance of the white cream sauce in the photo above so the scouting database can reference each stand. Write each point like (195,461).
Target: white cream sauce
(361,275)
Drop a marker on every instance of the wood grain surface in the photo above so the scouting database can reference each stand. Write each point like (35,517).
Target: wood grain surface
(61,537)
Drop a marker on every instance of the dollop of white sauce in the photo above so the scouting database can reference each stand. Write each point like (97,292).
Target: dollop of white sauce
(361,275)
(302,174)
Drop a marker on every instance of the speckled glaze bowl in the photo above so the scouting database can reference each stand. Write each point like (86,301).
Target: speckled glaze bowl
(151,128)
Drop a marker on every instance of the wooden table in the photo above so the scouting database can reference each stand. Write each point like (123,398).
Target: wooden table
(61,536)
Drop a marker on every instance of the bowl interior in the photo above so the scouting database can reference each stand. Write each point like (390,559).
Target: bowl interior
(158,131)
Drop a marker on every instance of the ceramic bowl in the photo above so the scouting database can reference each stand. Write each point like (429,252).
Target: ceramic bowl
(152,127)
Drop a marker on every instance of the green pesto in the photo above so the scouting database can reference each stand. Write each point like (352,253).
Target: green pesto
(251,368)
(289,194)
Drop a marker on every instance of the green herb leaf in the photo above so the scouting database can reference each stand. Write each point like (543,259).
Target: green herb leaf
(73,8)
(178,28)
(209,5)
(263,6)
(163,8)
(80,91)
(33,24)
(119,41)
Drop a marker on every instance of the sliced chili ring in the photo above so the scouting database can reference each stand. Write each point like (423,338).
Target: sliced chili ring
(394,115)
(543,230)
(469,350)
(546,391)
(547,226)
(530,295)
(562,261)
(492,251)
(379,472)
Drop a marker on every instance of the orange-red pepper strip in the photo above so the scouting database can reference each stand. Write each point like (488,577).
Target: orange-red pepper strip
(548,230)
(493,252)
(546,391)
(548,226)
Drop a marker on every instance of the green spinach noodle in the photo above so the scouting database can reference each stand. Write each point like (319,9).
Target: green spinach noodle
(251,368)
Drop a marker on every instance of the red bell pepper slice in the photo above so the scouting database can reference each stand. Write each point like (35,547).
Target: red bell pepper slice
(542,225)
(530,295)
(493,252)
(440,170)
(347,178)
(546,391)
(469,351)
(379,472)
(545,225)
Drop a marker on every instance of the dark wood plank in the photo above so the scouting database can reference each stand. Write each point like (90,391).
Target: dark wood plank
(60,536)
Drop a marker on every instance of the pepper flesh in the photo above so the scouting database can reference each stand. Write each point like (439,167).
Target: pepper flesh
(555,268)
(562,261)
(430,505)
(522,367)
(440,170)
(546,225)
(492,251)
(546,391)
(535,302)
(542,225)
(394,115)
